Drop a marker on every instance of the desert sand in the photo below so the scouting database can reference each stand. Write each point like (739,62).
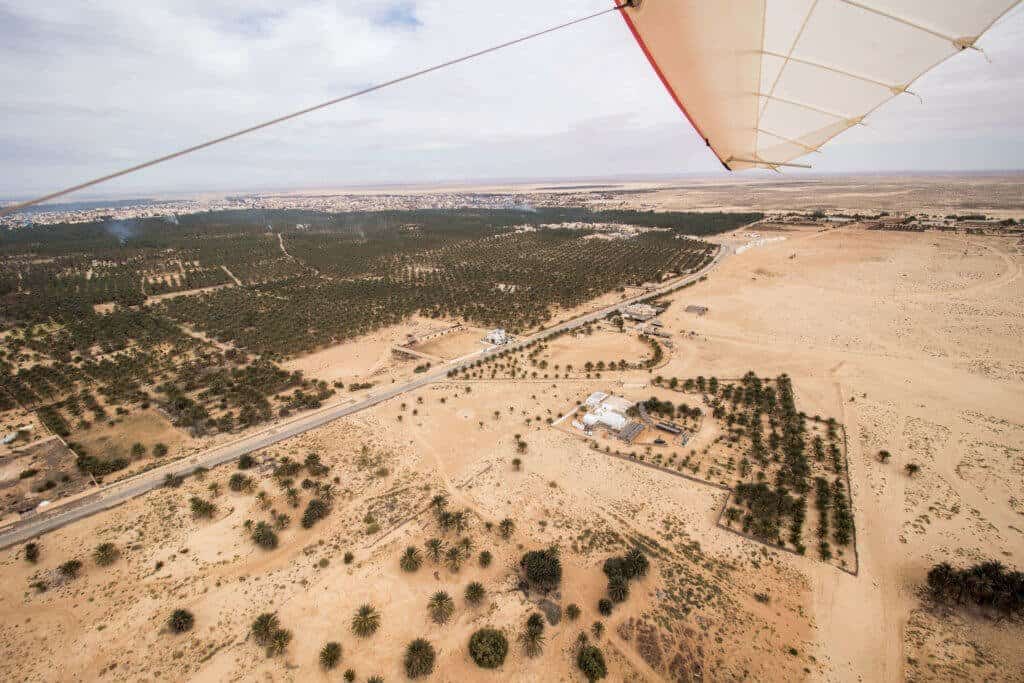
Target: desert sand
(912,341)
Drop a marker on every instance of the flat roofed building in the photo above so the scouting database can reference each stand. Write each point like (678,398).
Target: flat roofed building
(641,312)
(497,336)
(607,418)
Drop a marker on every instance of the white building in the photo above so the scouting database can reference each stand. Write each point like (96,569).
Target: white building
(606,417)
(640,312)
(497,336)
(606,411)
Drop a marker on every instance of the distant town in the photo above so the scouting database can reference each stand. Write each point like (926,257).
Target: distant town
(603,197)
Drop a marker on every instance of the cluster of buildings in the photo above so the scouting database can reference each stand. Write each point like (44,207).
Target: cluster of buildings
(640,312)
(497,337)
(609,412)
(411,199)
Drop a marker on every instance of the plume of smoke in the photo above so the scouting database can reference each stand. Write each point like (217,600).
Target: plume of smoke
(122,230)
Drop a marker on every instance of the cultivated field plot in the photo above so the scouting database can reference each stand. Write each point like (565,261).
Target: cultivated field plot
(105,322)
(41,471)
(590,353)
(453,344)
(747,436)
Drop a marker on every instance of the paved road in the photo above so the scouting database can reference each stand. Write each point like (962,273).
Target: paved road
(113,494)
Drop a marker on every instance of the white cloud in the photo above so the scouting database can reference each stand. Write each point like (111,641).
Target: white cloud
(91,86)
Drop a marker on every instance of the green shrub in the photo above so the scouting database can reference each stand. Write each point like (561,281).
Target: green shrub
(543,568)
(590,661)
(264,536)
(32,552)
(106,554)
(202,508)
(419,658)
(488,647)
(239,482)
(70,569)
(181,620)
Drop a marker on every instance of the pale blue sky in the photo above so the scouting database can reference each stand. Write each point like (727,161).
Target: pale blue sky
(89,87)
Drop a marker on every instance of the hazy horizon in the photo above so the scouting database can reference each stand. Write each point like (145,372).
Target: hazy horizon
(510,184)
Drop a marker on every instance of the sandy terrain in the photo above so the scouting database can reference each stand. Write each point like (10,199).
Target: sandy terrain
(368,358)
(911,340)
(455,344)
(114,439)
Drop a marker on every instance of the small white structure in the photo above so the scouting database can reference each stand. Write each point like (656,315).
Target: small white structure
(497,336)
(9,438)
(641,312)
(594,400)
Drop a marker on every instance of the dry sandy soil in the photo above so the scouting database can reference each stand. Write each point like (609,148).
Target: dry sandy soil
(911,340)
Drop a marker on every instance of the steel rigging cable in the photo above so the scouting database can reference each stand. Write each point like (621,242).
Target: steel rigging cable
(13,208)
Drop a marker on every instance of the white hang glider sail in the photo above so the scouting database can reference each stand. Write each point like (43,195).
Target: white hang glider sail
(765,82)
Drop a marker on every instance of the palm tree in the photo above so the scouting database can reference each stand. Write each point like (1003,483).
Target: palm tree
(411,559)
(507,527)
(618,589)
(279,642)
(439,502)
(636,563)
(446,519)
(485,559)
(460,520)
(441,607)
(453,558)
(263,628)
(572,612)
(366,621)
(466,546)
(475,593)
(941,578)
(330,655)
(435,549)
(912,468)
(532,636)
